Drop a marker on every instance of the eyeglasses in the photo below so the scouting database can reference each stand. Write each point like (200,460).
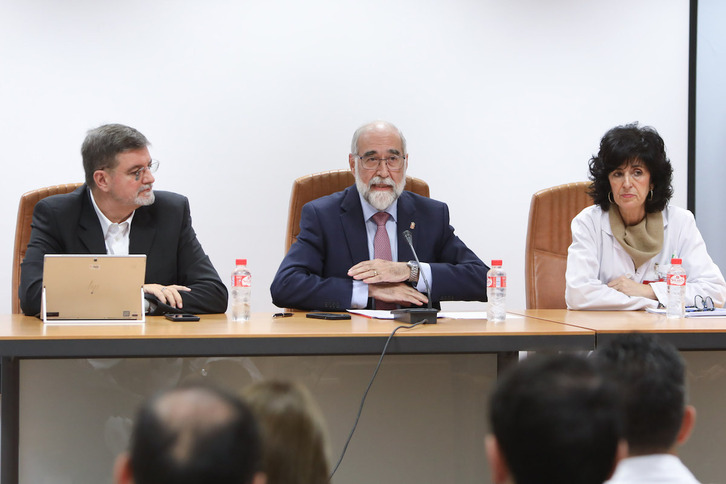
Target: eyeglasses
(152,167)
(393,162)
(701,303)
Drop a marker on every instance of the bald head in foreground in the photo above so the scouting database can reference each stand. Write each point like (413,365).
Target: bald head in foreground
(192,435)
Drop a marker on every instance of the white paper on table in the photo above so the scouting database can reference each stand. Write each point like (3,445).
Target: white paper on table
(380,314)
(372,313)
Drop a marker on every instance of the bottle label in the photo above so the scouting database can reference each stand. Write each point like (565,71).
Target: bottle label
(496,281)
(238,280)
(676,279)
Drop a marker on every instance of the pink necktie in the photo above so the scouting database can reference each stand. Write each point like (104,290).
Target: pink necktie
(382,250)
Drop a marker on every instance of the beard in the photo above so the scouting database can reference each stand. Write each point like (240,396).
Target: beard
(379,199)
(145,199)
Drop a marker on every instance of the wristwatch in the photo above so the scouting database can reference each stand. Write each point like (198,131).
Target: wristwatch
(413,265)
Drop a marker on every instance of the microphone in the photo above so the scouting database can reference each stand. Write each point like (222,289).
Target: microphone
(415,315)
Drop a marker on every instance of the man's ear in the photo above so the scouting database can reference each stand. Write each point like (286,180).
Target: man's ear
(499,468)
(122,469)
(259,478)
(689,422)
(351,162)
(102,179)
(621,452)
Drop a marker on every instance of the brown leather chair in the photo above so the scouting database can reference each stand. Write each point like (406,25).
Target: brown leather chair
(310,187)
(22,230)
(548,237)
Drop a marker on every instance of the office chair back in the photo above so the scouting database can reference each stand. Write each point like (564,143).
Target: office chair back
(548,238)
(310,187)
(22,231)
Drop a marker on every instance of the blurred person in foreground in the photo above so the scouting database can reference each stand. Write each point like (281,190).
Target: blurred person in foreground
(554,420)
(622,245)
(351,251)
(651,376)
(194,434)
(117,212)
(293,433)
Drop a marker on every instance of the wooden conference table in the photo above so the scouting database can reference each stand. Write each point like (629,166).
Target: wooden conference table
(699,333)
(24,338)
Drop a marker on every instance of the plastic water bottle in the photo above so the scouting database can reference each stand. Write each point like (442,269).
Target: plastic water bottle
(497,293)
(241,291)
(676,281)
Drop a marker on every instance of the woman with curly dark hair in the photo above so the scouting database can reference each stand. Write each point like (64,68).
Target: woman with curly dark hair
(622,246)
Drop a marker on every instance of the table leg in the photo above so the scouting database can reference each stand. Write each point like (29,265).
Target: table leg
(505,359)
(9,421)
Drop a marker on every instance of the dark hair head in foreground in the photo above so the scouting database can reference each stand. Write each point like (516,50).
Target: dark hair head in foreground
(193,435)
(652,379)
(293,433)
(555,420)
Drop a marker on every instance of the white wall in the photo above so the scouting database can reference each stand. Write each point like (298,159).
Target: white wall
(498,99)
(711,127)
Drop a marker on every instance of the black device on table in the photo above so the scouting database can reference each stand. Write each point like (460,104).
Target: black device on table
(181,317)
(317,315)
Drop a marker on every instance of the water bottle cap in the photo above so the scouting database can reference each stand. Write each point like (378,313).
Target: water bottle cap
(676,261)
(241,262)
(496,262)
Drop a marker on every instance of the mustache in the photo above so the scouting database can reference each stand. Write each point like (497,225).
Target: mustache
(377,180)
(145,187)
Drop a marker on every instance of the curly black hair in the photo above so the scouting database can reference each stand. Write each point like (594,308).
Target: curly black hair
(622,145)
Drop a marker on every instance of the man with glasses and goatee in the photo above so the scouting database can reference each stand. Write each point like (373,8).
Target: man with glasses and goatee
(117,212)
(351,251)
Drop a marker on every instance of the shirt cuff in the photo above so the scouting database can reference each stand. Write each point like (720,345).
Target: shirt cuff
(661,292)
(359,299)
(424,270)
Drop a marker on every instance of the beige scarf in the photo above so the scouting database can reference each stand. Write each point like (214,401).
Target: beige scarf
(641,241)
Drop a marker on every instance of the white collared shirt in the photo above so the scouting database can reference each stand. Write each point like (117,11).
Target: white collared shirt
(116,236)
(655,469)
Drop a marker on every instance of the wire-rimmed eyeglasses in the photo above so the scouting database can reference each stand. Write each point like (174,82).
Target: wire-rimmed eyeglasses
(152,167)
(393,162)
(701,303)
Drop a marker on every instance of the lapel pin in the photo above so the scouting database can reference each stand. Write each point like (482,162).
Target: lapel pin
(413,225)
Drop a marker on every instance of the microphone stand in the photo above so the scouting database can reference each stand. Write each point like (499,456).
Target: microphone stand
(426,315)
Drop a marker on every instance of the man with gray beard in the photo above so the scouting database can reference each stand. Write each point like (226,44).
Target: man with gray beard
(334,263)
(117,212)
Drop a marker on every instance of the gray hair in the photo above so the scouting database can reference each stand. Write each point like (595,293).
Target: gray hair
(102,144)
(368,126)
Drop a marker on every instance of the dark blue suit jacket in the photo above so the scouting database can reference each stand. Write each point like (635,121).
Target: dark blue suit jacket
(313,274)
(68,224)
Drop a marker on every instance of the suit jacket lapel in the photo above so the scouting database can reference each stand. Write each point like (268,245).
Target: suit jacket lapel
(89,228)
(351,216)
(405,218)
(143,231)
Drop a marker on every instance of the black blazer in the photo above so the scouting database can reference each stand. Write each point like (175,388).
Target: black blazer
(332,239)
(68,224)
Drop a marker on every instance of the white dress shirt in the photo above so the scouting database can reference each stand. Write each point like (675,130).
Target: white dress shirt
(360,288)
(115,235)
(655,468)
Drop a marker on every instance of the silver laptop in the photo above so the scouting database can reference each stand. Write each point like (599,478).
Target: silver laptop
(80,289)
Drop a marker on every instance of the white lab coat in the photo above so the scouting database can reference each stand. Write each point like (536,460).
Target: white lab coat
(596,258)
